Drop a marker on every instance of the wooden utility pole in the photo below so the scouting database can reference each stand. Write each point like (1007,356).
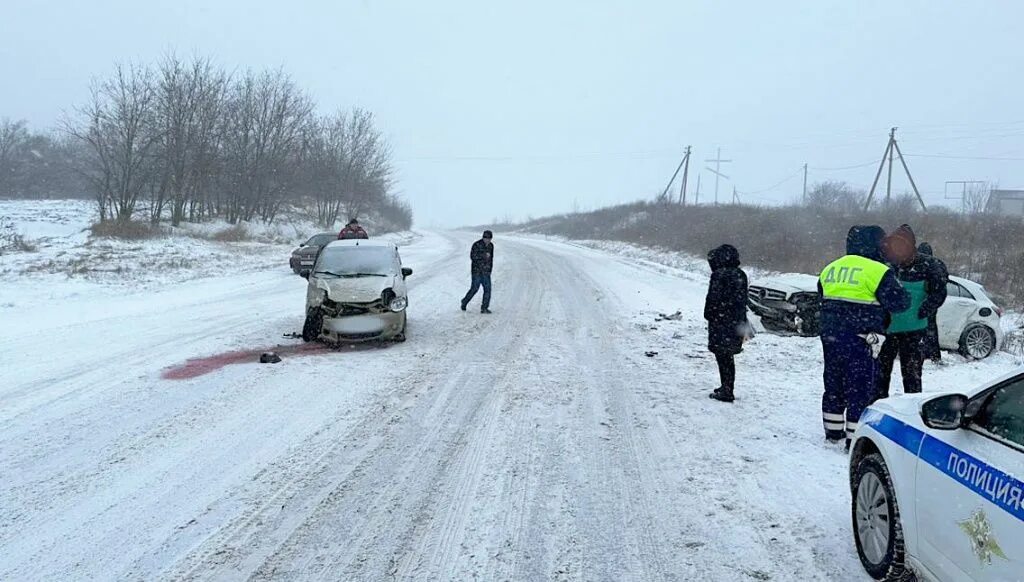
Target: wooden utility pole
(686,173)
(805,184)
(892,148)
(717,171)
(683,162)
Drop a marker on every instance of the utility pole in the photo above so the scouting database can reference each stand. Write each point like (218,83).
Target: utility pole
(735,196)
(686,173)
(805,184)
(717,171)
(683,162)
(890,149)
(696,200)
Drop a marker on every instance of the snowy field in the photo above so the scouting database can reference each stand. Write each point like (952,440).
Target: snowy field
(140,439)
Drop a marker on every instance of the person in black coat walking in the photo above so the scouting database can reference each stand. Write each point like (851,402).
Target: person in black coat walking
(481,263)
(725,310)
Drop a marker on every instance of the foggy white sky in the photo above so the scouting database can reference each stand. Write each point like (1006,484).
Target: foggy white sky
(524,108)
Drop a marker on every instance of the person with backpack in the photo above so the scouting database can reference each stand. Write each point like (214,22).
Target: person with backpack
(725,309)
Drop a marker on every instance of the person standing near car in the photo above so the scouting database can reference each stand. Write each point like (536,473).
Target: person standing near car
(352,230)
(932,351)
(481,263)
(907,333)
(858,293)
(725,310)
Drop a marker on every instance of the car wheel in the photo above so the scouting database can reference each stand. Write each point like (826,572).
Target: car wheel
(876,520)
(313,326)
(977,342)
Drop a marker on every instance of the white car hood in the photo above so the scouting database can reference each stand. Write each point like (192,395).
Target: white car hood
(355,290)
(791,283)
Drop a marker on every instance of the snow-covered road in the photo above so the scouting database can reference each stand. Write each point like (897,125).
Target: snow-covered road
(538,443)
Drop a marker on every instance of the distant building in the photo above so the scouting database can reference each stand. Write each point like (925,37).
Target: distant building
(1006,202)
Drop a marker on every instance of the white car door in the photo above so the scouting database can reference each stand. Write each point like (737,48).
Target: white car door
(970,493)
(953,315)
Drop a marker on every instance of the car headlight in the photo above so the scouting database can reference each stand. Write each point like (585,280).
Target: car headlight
(398,304)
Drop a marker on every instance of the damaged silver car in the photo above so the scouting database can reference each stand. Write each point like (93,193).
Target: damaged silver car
(357,292)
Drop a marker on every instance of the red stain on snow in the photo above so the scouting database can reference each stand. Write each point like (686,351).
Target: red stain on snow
(200,366)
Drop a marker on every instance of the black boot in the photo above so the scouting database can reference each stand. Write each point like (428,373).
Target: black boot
(723,394)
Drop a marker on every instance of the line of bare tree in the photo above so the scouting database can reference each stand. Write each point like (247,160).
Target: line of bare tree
(184,140)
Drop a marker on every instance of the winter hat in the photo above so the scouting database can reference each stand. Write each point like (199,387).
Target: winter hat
(724,257)
(925,249)
(488,234)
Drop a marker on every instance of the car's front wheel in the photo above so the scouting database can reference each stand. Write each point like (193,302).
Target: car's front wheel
(876,520)
(977,342)
(313,326)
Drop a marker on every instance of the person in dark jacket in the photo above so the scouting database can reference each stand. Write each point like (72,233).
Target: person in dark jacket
(932,350)
(481,263)
(725,309)
(352,230)
(907,332)
(858,293)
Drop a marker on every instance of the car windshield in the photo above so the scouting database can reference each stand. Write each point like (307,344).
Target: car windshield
(357,262)
(319,240)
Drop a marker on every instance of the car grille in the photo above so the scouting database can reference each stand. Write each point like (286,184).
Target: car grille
(764,293)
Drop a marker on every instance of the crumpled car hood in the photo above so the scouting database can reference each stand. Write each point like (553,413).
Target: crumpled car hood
(357,290)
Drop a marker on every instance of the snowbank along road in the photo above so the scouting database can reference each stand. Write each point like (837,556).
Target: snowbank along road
(139,438)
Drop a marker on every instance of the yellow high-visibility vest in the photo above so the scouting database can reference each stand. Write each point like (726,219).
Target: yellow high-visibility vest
(852,278)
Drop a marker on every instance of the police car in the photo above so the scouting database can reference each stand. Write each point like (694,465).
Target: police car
(937,485)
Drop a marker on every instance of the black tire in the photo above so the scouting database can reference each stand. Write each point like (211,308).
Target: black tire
(969,342)
(313,326)
(873,489)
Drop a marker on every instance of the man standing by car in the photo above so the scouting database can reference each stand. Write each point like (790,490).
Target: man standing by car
(907,333)
(858,293)
(352,230)
(481,263)
(931,344)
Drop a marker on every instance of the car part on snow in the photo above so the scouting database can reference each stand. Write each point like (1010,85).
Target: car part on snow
(977,342)
(678,315)
(269,358)
(650,354)
(876,520)
(292,335)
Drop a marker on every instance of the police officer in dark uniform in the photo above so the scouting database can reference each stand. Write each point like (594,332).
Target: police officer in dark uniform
(858,293)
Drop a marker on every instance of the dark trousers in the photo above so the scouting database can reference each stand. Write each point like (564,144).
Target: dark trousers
(851,375)
(479,280)
(931,348)
(726,370)
(909,347)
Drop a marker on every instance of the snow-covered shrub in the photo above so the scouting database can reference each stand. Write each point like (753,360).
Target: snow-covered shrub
(11,241)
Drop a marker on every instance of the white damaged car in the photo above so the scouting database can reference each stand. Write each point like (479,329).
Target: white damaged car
(357,292)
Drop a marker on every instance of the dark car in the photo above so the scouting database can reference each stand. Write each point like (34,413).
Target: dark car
(302,258)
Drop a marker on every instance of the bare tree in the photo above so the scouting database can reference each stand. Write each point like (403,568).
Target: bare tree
(118,127)
(189,102)
(13,137)
(266,115)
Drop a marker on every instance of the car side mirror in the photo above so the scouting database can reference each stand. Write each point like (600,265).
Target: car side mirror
(304,273)
(944,412)
(406,271)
